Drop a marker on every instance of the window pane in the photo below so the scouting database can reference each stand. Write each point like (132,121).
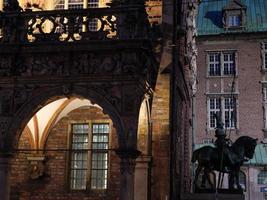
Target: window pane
(214,107)
(262,177)
(79,156)
(229,63)
(214,64)
(229,112)
(100,156)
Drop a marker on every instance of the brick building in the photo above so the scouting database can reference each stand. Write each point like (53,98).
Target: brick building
(94,100)
(232,80)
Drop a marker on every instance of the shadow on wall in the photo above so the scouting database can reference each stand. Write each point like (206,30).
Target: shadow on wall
(215,17)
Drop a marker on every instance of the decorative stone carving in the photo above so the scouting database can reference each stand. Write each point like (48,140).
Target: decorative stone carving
(21,95)
(5,101)
(12,6)
(5,65)
(4,123)
(38,65)
(128,157)
(37,166)
(191,48)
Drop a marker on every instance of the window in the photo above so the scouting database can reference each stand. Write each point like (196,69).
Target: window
(224,105)
(262,177)
(207,141)
(264,55)
(79,163)
(234,21)
(75,4)
(221,63)
(264,91)
(79,4)
(234,15)
(84,138)
(100,156)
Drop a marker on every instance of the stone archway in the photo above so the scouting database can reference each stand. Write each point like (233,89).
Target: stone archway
(34,104)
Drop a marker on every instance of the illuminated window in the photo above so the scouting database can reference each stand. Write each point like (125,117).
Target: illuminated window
(84,138)
(75,4)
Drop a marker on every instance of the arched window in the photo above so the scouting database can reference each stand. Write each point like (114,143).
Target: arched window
(262,177)
(242,180)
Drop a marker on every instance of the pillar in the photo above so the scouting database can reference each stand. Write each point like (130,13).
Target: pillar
(127,169)
(4,176)
(141,178)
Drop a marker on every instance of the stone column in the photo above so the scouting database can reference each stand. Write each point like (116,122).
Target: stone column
(127,169)
(141,178)
(4,176)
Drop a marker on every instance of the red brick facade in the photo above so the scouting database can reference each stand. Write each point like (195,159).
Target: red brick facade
(55,184)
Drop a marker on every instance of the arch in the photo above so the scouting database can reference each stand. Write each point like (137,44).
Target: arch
(144,127)
(21,118)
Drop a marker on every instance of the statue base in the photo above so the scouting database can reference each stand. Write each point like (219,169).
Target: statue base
(212,196)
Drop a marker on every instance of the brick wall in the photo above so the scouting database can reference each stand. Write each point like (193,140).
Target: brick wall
(248,87)
(54,185)
(160,118)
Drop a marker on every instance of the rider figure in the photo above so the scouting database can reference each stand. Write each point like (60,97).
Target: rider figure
(222,143)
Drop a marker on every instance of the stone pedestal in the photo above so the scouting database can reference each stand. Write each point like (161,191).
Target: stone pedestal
(141,178)
(127,169)
(214,196)
(4,176)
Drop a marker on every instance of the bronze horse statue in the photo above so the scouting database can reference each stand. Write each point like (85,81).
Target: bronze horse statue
(212,158)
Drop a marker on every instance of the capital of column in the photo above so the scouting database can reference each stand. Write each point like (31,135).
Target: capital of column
(5,160)
(128,159)
(128,153)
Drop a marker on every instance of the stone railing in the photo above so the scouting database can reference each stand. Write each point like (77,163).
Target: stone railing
(122,22)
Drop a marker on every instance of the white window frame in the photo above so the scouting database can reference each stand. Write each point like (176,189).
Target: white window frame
(222,103)
(91,4)
(234,21)
(229,64)
(264,93)
(93,150)
(264,55)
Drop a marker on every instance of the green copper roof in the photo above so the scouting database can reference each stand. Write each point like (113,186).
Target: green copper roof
(260,156)
(209,20)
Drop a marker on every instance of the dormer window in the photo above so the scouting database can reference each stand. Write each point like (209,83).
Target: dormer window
(234,15)
(234,21)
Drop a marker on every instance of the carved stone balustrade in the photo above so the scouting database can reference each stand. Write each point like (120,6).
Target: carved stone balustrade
(124,22)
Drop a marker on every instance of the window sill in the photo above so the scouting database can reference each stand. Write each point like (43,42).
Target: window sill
(223,76)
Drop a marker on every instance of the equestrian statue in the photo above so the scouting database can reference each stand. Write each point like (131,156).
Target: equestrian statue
(224,157)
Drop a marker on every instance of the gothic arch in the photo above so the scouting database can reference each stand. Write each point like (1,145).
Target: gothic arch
(24,114)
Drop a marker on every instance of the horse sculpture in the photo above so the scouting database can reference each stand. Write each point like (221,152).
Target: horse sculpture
(212,158)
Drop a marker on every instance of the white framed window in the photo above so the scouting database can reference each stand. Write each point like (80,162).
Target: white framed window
(224,106)
(75,4)
(89,166)
(221,63)
(264,55)
(264,92)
